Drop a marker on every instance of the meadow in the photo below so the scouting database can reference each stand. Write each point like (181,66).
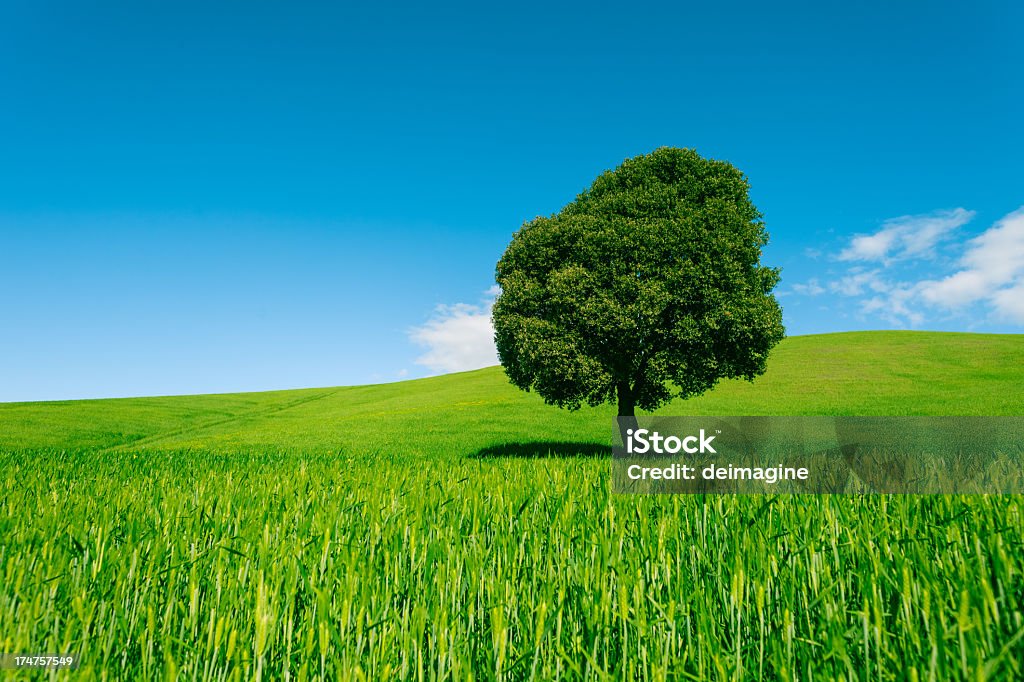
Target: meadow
(457,528)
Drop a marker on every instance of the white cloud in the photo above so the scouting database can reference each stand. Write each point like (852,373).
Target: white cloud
(458,337)
(1009,303)
(991,270)
(909,236)
(869,246)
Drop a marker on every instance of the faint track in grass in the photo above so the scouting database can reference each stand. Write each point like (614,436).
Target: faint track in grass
(220,421)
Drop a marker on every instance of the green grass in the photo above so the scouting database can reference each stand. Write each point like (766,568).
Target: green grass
(444,529)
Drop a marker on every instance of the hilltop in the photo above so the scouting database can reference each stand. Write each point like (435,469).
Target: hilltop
(863,373)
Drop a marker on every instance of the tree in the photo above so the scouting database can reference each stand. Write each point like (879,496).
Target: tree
(647,286)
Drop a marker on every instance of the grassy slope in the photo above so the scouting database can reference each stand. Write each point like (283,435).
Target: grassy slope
(229,537)
(866,373)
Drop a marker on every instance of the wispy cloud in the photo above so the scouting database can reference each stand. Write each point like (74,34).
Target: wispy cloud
(811,288)
(906,285)
(895,304)
(909,236)
(859,281)
(458,337)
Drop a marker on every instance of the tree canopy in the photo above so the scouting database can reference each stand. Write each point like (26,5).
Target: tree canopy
(647,286)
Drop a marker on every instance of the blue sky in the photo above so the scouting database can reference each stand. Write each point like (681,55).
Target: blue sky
(205,197)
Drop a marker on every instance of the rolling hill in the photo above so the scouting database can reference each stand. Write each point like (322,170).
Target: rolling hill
(861,373)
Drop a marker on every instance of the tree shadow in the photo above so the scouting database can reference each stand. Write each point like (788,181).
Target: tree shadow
(538,449)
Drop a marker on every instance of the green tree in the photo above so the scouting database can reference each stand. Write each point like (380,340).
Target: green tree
(647,286)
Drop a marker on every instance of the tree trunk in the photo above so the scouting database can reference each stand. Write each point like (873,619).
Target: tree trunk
(627,411)
(627,403)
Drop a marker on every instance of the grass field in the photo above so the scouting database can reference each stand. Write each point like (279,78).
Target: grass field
(456,528)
